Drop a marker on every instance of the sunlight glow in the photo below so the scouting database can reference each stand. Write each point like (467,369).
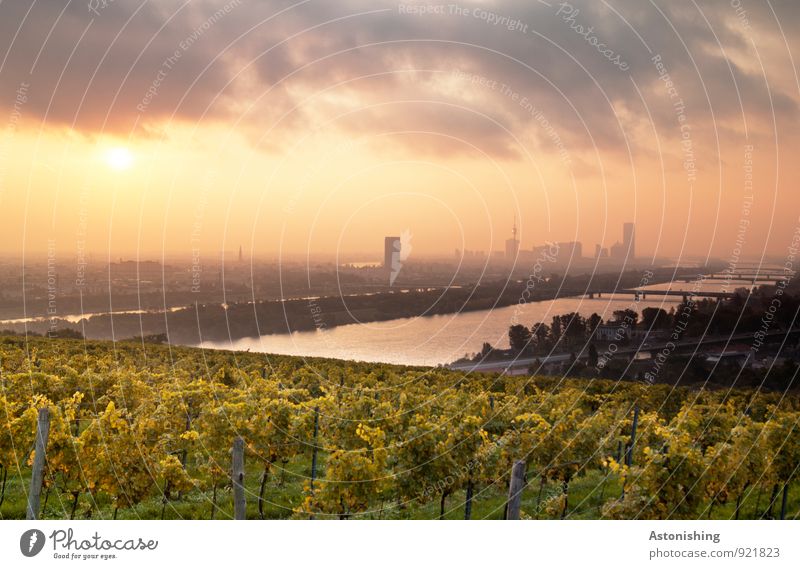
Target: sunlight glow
(119,158)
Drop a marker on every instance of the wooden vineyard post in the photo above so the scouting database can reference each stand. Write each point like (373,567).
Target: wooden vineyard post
(468,501)
(629,447)
(314,452)
(515,490)
(237,479)
(629,451)
(37,474)
(784,500)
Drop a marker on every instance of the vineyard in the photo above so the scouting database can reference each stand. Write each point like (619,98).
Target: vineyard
(146,431)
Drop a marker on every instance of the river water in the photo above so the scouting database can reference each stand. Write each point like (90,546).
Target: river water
(432,340)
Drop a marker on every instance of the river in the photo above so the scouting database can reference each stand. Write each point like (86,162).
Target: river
(433,340)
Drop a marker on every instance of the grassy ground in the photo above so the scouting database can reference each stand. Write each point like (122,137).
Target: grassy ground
(284,493)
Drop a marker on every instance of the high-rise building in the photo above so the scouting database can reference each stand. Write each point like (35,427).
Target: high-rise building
(391,246)
(570,250)
(618,251)
(627,249)
(629,240)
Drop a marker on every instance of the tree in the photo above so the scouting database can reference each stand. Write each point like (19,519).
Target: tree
(519,337)
(573,327)
(631,317)
(556,331)
(540,336)
(655,318)
(592,323)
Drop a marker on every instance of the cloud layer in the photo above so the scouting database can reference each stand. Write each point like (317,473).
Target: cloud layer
(488,74)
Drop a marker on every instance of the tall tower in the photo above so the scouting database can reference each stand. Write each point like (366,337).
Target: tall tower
(629,240)
(240,253)
(512,245)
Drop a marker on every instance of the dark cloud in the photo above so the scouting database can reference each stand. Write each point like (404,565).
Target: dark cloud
(273,67)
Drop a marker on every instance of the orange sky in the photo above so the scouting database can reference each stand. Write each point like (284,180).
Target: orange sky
(324,126)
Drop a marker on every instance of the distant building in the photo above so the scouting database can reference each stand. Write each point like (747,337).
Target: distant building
(612,331)
(629,240)
(608,332)
(391,246)
(526,256)
(512,249)
(570,250)
(598,251)
(512,245)
(627,249)
(469,256)
(618,251)
(137,270)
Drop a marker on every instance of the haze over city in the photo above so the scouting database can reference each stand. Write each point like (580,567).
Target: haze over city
(321,129)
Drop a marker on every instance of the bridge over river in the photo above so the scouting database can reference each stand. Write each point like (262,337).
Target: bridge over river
(643,293)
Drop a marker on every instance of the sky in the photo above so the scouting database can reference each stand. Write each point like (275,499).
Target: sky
(142,128)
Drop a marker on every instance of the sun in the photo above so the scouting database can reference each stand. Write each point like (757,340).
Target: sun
(119,158)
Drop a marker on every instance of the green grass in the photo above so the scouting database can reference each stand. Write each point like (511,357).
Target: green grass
(285,493)
(282,495)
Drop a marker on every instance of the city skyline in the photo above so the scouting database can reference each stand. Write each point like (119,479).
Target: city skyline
(445,123)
